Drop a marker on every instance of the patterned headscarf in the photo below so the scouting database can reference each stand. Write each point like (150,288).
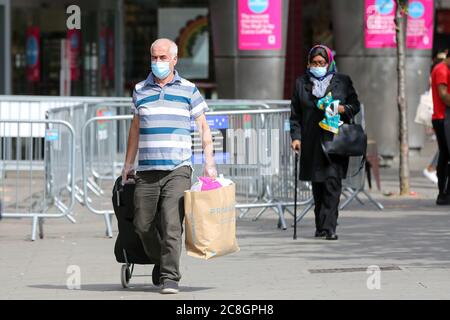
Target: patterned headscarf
(331,62)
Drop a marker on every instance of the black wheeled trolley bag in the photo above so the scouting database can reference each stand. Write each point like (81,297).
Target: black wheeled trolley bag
(128,248)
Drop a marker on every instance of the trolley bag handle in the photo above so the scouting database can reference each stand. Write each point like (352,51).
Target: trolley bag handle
(120,187)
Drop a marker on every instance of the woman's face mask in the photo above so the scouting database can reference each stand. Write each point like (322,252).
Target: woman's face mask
(318,67)
(318,72)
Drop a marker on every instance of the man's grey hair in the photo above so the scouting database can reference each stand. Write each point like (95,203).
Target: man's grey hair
(173,49)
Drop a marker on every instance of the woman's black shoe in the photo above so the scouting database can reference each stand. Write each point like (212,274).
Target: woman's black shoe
(332,236)
(320,234)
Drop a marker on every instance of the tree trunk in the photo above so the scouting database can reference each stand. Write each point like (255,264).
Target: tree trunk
(400,17)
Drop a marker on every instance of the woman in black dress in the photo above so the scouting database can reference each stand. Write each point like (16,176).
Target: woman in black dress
(311,120)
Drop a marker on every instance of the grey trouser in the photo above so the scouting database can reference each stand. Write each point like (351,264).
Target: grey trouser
(434,162)
(159,205)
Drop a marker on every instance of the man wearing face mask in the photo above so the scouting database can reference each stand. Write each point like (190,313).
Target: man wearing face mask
(321,101)
(163,105)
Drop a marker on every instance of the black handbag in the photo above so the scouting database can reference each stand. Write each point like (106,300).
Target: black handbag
(350,141)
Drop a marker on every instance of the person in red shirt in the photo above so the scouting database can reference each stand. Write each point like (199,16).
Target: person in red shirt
(440,86)
(430,170)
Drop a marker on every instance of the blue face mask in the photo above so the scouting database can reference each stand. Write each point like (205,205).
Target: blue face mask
(161,70)
(318,72)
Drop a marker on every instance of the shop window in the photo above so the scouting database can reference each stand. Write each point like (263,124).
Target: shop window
(188,27)
(442,31)
(49,59)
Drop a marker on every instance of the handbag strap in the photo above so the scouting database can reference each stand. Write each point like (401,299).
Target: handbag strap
(352,116)
(363,162)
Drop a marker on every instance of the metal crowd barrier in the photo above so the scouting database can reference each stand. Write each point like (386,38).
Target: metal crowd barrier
(52,108)
(261,163)
(251,142)
(252,149)
(36,107)
(78,115)
(88,162)
(109,156)
(28,189)
(44,170)
(275,186)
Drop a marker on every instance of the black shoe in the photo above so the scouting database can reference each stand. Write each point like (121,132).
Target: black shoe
(156,273)
(320,234)
(169,287)
(332,236)
(443,200)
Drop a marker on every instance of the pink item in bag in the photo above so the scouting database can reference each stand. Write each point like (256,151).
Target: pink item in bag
(209,184)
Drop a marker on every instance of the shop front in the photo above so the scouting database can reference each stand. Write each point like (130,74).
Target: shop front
(99,47)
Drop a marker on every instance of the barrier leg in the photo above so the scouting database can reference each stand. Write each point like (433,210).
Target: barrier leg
(281,220)
(71,218)
(79,195)
(260,213)
(79,198)
(351,190)
(375,202)
(108,225)
(94,187)
(305,211)
(359,200)
(34,228)
(350,199)
(344,193)
(289,211)
(245,211)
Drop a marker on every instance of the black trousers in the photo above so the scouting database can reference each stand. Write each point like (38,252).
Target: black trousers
(326,198)
(444,157)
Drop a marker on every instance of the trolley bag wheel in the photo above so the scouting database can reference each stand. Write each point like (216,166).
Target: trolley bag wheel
(125,276)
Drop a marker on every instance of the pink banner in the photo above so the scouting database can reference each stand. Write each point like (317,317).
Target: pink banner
(259,24)
(110,54)
(74,38)
(33,54)
(420,24)
(103,44)
(107,54)
(380,25)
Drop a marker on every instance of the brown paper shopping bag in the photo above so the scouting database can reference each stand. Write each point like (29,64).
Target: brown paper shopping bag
(210,222)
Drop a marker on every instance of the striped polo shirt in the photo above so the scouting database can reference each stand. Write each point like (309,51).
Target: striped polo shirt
(165,113)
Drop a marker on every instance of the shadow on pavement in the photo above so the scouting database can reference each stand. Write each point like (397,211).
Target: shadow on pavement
(117,288)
